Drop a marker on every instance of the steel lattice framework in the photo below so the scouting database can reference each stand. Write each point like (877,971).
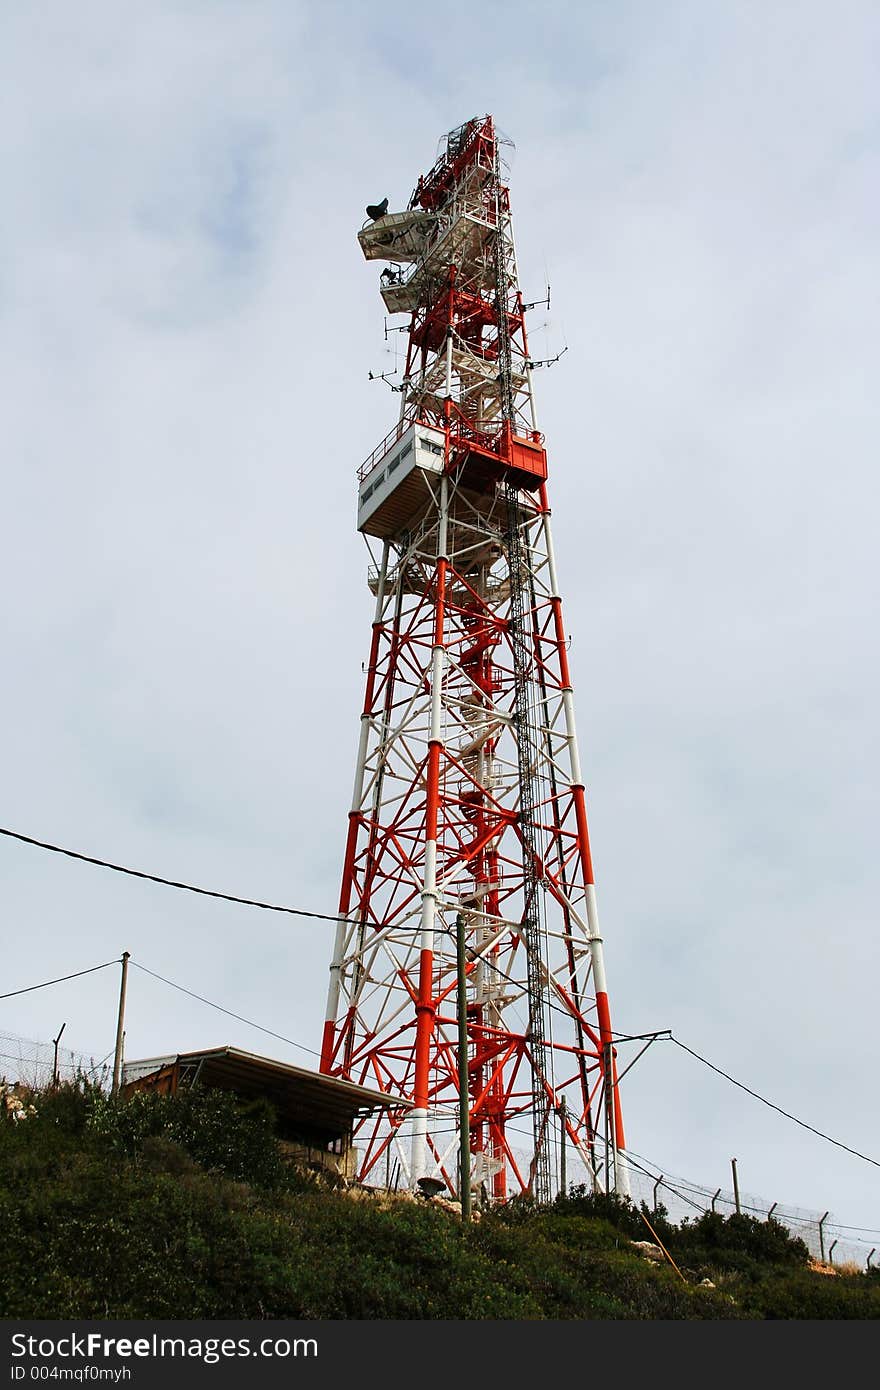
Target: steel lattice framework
(468,795)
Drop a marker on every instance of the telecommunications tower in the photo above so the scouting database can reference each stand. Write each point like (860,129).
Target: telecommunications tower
(468,809)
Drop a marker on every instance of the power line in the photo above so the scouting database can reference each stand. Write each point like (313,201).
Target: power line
(104,1059)
(675,1184)
(778,1108)
(629,1154)
(61,978)
(327,917)
(658,1033)
(314,1053)
(168,882)
(220,1009)
(786,1215)
(864,1230)
(660,1180)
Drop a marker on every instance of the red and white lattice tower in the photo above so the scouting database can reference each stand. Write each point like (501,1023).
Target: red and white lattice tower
(468,794)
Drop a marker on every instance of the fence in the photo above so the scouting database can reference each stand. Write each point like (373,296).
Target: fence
(32,1063)
(823,1236)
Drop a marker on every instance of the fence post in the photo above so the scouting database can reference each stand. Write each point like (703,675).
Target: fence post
(870,1257)
(656,1185)
(735,1186)
(56,1041)
(831,1252)
(822,1237)
(715,1198)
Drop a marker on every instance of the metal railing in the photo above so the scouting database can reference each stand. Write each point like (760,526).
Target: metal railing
(396,432)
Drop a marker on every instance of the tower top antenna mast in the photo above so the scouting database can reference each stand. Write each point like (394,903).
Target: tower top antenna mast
(469,803)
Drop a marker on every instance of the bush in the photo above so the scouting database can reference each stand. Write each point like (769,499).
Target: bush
(109,1212)
(583,1267)
(620,1212)
(736,1241)
(211,1126)
(67,1106)
(800,1293)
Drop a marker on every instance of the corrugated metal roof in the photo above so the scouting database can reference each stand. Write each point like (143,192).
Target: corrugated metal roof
(323,1104)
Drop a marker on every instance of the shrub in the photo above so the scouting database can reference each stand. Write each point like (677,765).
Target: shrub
(620,1212)
(109,1213)
(211,1126)
(734,1241)
(67,1106)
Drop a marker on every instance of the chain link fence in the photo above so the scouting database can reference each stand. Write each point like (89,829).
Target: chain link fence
(825,1238)
(32,1063)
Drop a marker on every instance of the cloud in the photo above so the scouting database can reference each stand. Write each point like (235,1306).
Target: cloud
(187,328)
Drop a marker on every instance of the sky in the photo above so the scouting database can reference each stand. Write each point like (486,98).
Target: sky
(186,331)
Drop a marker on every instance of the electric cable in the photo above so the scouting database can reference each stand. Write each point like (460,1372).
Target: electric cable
(787,1218)
(168,882)
(219,1007)
(327,917)
(61,978)
(764,1101)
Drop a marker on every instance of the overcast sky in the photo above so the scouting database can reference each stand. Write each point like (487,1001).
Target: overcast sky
(187,326)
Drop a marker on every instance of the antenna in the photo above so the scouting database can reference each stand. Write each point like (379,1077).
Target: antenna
(386,377)
(548,361)
(536,302)
(395,328)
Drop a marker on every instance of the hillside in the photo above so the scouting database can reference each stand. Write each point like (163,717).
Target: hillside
(183,1208)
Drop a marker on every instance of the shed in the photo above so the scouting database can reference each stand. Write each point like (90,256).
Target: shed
(316,1113)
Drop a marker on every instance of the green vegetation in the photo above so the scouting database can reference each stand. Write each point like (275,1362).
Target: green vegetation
(185,1208)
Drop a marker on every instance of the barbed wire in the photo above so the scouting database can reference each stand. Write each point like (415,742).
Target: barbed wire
(681,1197)
(714,1197)
(34,1061)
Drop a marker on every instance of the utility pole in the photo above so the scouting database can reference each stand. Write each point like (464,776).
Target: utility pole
(735,1187)
(117,1060)
(464,1123)
(56,1041)
(563,1115)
